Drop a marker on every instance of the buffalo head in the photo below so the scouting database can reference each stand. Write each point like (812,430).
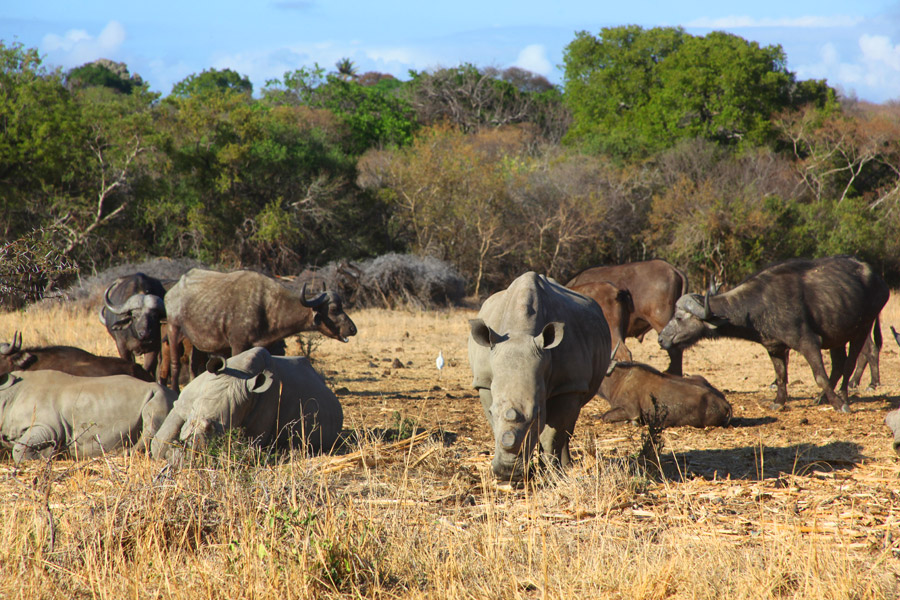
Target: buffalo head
(141,313)
(329,317)
(692,321)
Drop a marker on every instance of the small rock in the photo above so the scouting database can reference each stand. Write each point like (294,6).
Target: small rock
(341,391)
(397,364)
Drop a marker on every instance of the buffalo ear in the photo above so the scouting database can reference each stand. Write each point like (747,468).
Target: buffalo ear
(215,364)
(261,382)
(7,380)
(24,360)
(121,324)
(551,335)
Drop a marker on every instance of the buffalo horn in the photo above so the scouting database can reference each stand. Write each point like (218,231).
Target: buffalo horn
(7,349)
(612,359)
(315,302)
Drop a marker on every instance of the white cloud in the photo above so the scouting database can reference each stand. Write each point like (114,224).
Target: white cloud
(809,22)
(77,46)
(874,73)
(534,59)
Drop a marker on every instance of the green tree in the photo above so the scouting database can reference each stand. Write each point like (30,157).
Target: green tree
(212,80)
(634,92)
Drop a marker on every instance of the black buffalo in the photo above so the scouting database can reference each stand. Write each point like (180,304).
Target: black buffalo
(803,305)
(133,311)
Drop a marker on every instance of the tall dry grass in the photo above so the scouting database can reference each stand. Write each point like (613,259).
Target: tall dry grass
(424,520)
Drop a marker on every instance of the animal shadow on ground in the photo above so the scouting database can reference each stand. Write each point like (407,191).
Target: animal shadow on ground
(752,463)
(350,440)
(740,422)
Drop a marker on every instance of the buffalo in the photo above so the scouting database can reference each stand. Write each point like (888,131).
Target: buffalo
(892,420)
(227,313)
(132,312)
(538,353)
(67,359)
(272,399)
(639,393)
(47,413)
(654,285)
(617,306)
(804,305)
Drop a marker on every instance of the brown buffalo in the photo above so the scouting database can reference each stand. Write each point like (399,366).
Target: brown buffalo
(617,306)
(67,359)
(638,392)
(654,285)
(228,313)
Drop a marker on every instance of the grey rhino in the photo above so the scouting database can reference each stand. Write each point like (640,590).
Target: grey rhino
(43,413)
(892,420)
(538,353)
(273,399)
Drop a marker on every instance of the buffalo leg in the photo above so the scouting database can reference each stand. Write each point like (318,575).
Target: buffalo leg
(813,356)
(176,350)
(779,356)
(676,357)
(562,412)
(838,360)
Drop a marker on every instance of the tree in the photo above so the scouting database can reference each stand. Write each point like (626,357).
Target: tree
(634,92)
(346,70)
(212,80)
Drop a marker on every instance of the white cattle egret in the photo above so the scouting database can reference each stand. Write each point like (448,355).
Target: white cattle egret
(440,361)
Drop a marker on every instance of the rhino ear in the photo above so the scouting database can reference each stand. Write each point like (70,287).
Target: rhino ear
(7,380)
(216,364)
(550,336)
(261,382)
(481,333)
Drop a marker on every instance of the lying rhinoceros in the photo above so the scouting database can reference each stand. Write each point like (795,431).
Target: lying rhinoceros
(49,412)
(272,399)
(538,353)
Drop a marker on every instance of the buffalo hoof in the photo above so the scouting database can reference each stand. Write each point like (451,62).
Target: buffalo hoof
(845,408)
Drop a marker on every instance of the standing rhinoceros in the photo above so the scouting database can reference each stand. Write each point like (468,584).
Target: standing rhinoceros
(273,399)
(538,353)
(49,412)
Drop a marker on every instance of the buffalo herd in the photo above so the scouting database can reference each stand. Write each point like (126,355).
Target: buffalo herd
(538,352)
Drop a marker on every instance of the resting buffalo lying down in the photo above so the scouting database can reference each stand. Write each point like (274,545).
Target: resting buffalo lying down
(67,359)
(273,399)
(630,388)
(49,412)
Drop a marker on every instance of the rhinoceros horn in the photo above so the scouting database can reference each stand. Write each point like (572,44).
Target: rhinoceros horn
(7,349)
(315,302)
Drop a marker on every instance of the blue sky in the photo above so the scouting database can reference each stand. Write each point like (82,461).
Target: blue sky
(854,45)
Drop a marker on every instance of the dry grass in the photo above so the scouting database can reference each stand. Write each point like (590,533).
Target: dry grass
(802,504)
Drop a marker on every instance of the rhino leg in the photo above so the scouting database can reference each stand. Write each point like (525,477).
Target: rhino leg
(34,443)
(153,415)
(486,401)
(562,412)
(167,435)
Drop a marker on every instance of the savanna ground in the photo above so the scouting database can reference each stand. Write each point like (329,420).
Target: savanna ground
(799,504)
